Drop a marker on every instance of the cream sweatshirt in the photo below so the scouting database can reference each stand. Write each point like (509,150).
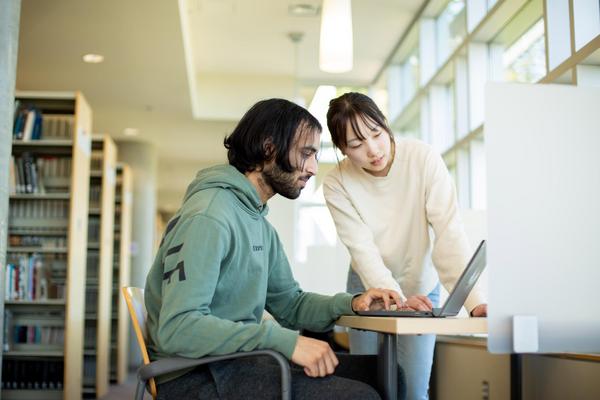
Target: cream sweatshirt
(385,222)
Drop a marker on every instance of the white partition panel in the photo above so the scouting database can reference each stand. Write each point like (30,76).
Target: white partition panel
(543,195)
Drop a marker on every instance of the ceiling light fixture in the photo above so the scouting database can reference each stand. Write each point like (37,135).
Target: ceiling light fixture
(296,37)
(131,131)
(335,53)
(303,10)
(93,58)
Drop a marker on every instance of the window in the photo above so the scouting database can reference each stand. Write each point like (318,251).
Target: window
(515,41)
(518,51)
(412,128)
(315,226)
(441,109)
(451,28)
(525,59)
(410,76)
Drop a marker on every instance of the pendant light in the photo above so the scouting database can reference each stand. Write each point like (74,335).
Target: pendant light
(335,52)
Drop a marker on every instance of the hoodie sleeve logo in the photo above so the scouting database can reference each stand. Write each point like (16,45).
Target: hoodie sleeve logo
(257,248)
(170,227)
(167,275)
(180,266)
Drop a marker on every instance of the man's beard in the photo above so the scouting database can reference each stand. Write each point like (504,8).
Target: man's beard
(283,183)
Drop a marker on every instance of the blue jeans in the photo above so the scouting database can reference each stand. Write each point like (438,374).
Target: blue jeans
(415,352)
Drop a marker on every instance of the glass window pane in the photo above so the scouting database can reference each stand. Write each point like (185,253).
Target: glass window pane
(586,15)
(451,28)
(441,103)
(412,128)
(525,59)
(559,32)
(478,174)
(410,76)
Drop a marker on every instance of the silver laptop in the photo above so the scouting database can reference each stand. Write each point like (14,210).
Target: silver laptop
(457,297)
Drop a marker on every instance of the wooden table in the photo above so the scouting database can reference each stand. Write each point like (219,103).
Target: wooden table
(387,329)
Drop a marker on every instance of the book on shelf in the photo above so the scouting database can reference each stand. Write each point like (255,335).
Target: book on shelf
(39,243)
(31,174)
(28,125)
(12,177)
(31,124)
(32,374)
(38,216)
(26,330)
(27,279)
(43,336)
(6,330)
(31,184)
(96,161)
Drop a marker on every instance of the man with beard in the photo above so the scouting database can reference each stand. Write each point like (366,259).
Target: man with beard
(221,264)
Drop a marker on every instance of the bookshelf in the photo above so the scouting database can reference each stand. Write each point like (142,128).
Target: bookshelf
(98,296)
(121,274)
(47,231)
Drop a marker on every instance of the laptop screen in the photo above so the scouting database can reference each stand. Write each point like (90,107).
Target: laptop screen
(466,282)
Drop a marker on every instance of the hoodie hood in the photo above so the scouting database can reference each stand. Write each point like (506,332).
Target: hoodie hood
(228,178)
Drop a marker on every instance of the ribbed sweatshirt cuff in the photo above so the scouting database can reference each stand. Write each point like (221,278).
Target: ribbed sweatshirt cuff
(283,340)
(342,305)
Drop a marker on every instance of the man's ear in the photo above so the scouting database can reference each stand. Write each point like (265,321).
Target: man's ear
(269,148)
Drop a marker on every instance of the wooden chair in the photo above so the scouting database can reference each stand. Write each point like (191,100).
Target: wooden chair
(134,297)
(341,339)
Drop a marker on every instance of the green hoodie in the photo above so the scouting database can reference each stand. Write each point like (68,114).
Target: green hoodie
(221,264)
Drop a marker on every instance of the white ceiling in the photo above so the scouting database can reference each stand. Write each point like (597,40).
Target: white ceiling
(237,52)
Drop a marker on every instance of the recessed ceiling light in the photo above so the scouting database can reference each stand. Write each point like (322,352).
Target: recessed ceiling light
(131,131)
(303,10)
(93,58)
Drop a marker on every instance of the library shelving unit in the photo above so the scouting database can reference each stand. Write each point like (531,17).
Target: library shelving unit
(47,232)
(121,274)
(98,294)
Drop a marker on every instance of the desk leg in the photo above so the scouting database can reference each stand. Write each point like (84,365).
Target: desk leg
(387,366)
(516,370)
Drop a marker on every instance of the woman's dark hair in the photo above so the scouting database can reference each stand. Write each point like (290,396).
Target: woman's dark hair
(274,122)
(347,109)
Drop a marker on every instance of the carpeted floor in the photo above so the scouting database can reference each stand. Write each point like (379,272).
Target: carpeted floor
(125,391)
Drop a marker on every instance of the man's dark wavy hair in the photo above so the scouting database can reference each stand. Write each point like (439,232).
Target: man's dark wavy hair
(274,121)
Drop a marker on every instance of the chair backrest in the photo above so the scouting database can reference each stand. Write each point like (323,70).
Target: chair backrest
(134,297)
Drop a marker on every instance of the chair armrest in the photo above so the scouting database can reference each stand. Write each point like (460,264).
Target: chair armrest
(172,364)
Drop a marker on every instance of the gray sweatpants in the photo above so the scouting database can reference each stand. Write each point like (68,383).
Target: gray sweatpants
(259,378)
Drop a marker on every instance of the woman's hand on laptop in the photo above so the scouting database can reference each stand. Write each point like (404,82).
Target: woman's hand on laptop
(419,303)
(479,311)
(376,299)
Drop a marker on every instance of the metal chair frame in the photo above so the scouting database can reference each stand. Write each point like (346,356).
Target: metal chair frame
(134,297)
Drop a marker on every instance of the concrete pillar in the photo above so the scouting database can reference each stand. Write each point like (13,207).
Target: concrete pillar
(143,160)
(10,11)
